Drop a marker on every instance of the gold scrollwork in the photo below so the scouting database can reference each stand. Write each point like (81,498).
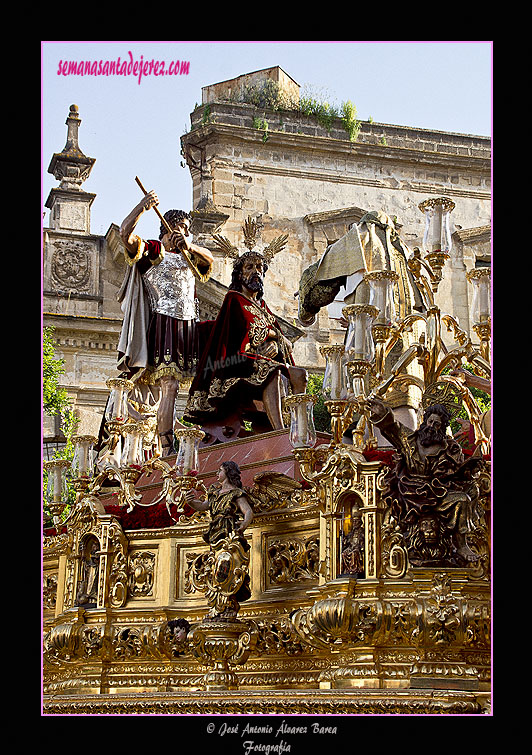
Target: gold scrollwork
(293,559)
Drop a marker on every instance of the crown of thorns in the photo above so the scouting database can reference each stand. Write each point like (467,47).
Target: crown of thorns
(251,230)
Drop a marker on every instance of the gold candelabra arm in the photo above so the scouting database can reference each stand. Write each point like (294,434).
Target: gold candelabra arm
(482,365)
(472,408)
(341,416)
(434,345)
(452,360)
(127,495)
(400,327)
(460,336)
(182,485)
(381,337)
(417,265)
(308,459)
(437,261)
(483,331)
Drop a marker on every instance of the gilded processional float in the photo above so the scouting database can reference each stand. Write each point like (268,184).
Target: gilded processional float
(266,567)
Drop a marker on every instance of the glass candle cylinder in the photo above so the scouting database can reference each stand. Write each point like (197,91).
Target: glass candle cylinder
(116,409)
(302,429)
(187,460)
(359,342)
(356,371)
(333,380)
(56,487)
(84,456)
(480,279)
(437,236)
(132,447)
(381,294)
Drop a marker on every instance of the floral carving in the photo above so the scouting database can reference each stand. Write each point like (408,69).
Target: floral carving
(293,560)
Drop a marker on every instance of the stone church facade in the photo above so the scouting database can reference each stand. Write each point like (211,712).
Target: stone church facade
(300,179)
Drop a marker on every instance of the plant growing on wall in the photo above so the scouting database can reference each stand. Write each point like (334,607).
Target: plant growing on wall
(56,402)
(324,113)
(269,96)
(262,125)
(349,120)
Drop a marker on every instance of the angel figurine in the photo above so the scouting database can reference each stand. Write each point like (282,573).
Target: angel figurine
(222,572)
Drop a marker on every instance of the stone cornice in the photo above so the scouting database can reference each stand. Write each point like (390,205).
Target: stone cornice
(84,331)
(246,111)
(358,150)
(72,195)
(471,235)
(394,183)
(87,318)
(54,233)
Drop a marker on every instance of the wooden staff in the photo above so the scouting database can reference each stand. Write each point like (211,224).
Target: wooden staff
(189,262)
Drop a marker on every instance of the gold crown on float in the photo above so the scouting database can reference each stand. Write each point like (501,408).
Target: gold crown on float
(251,230)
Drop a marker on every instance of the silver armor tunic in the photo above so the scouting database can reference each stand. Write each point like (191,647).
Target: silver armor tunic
(171,287)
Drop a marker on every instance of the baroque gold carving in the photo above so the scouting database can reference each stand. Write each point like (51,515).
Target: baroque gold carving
(219,644)
(278,636)
(293,560)
(302,702)
(49,590)
(401,625)
(219,573)
(141,573)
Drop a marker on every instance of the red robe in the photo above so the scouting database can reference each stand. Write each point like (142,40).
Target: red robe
(230,373)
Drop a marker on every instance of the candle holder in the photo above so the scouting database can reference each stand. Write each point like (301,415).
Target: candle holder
(56,488)
(131,456)
(437,237)
(186,466)
(131,462)
(334,387)
(302,429)
(83,462)
(122,458)
(437,211)
(381,284)
(480,279)
(357,370)
(359,346)
(116,409)
(116,415)
(437,261)
(177,480)
(187,460)
(359,342)
(381,295)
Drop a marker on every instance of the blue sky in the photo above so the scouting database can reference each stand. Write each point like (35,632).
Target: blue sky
(134,128)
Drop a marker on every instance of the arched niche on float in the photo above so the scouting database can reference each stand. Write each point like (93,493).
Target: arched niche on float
(349,536)
(88,572)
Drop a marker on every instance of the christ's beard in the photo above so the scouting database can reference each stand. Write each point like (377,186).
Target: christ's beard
(428,436)
(254,283)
